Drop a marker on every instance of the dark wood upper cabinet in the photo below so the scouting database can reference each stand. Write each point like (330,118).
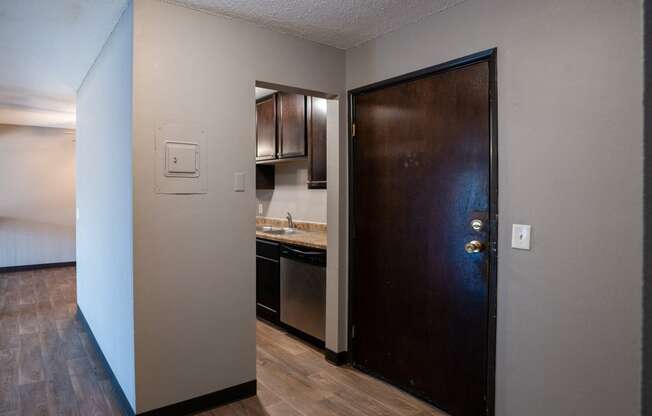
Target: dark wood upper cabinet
(266,128)
(316,109)
(291,125)
(265,176)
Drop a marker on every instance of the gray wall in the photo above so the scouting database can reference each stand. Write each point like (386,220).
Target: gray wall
(570,148)
(104,200)
(37,207)
(647,293)
(194,254)
(291,194)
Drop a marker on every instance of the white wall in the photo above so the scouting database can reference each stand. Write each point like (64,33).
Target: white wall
(104,200)
(570,149)
(37,209)
(194,254)
(291,194)
(337,264)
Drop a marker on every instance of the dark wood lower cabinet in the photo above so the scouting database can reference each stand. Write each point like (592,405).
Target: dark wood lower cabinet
(268,284)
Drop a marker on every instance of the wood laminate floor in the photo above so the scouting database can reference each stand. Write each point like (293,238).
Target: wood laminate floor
(295,380)
(48,365)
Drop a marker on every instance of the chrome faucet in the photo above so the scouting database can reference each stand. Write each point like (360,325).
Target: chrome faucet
(290,222)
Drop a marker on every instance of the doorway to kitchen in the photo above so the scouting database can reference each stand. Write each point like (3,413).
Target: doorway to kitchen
(423,268)
(291,236)
(291,222)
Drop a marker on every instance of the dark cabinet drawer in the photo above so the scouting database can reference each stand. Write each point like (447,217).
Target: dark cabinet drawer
(268,249)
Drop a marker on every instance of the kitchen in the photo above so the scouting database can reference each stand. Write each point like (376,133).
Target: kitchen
(291,229)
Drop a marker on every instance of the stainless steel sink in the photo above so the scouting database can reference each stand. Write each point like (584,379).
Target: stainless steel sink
(277,230)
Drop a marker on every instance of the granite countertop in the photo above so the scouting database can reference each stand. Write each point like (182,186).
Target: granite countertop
(308,234)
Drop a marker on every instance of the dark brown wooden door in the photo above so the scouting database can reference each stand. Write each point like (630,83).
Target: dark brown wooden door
(421,174)
(266,128)
(316,142)
(292,125)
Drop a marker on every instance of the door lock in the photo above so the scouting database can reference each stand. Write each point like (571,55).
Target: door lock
(477,224)
(474,246)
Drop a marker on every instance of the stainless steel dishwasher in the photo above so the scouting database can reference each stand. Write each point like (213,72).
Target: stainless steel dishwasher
(303,290)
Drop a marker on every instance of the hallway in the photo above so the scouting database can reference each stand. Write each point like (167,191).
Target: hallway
(295,380)
(49,366)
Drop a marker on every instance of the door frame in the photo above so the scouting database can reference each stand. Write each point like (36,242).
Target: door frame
(490,56)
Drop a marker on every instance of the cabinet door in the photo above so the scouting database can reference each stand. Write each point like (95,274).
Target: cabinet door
(268,289)
(292,125)
(265,176)
(316,143)
(266,128)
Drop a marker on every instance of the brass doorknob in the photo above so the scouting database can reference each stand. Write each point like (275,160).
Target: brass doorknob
(473,246)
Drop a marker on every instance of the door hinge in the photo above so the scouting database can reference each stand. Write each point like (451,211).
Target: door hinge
(353,130)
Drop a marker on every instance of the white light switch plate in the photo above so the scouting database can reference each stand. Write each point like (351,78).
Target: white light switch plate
(521,236)
(239,182)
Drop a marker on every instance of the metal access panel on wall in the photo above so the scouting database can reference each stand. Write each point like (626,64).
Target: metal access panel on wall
(180,159)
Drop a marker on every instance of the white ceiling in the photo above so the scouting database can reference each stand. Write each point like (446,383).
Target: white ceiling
(47,48)
(339,23)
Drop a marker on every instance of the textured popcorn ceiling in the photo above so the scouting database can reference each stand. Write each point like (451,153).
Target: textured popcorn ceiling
(339,23)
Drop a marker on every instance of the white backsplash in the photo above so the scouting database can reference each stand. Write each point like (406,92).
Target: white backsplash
(291,194)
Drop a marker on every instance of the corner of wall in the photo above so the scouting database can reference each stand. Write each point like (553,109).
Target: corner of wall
(104,202)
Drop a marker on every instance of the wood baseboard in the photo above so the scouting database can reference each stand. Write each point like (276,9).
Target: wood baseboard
(124,403)
(187,407)
(336,358)
(26,267)
(206,402)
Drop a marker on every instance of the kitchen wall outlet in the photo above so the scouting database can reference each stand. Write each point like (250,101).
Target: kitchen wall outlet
(521,236)
(239,182)
(260,209)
